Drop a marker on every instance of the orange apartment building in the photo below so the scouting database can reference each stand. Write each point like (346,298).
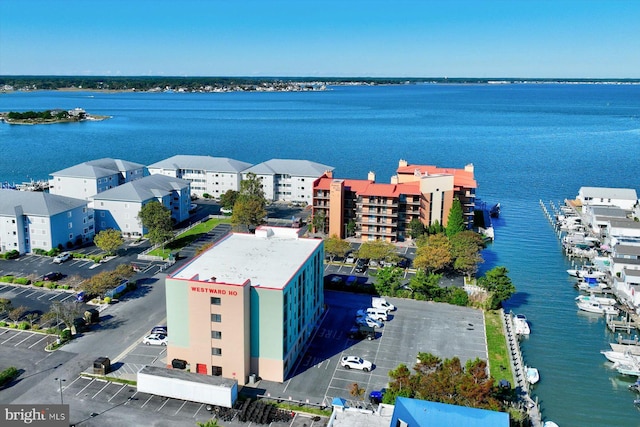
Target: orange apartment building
(384,211)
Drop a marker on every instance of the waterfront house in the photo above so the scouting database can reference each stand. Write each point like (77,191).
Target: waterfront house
(118,207)
(37,220)
(624,198)
(288,180)
(384,211)
(89,178)
(621,230)
(597,217)
(207,175)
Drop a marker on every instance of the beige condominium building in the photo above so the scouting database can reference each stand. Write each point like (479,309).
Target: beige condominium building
(248,305)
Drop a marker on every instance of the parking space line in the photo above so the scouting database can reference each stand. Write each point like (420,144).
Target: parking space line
(183,403)
(43,295)
(66,298)
(12,336)
(194,415)
(131,398)
(162,406)
(116,393)
(100,391)
(23,291)
(34,292)
(72,382)
(150,396)
(83,388)
(28,336)
(40,340)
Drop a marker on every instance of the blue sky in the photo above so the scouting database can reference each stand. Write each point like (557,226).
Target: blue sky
(372,38)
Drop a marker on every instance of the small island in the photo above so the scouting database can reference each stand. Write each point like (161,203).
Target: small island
(48,117)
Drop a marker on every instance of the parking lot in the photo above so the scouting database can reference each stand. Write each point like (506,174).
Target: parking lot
(416,326)
(25,339)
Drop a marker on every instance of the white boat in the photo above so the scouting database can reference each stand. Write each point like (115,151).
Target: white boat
(620,358)
(550,424)
(595,307)
(591,286)
(599,300)
(520,325)
(587,271)
(628,369)
(533,376)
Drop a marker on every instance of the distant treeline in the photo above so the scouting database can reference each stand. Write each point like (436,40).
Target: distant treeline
(196,83)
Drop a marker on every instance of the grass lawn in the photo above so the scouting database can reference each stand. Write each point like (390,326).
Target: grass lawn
(499,362)
(187,237)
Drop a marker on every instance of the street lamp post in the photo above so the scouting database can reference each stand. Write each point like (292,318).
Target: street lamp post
(60,381)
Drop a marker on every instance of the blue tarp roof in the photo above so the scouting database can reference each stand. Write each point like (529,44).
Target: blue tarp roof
(422,413)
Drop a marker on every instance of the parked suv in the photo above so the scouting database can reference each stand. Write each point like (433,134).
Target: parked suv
(361,265)
(62,257)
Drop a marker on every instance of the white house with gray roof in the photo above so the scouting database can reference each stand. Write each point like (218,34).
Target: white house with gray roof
(288,180)
(624,198)
(211,175)
(118,207)
(89,178)
(35,220)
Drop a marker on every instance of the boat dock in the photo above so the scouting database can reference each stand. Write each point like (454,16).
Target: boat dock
(519,371)
(615,324)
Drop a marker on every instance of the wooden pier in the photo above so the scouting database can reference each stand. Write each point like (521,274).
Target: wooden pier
(615,325)
(519,375)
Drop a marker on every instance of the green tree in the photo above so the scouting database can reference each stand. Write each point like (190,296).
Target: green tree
(498,284)
(435,228)
(319,221)
(416,228)
(465,250)
(351,228)
(435,255)
(427,285)
(249,208)
(108,240)
(248,212)
(335,246)
(5,305)
(378,250)
(156,218)
(228,199)
(455,220)
(388,280)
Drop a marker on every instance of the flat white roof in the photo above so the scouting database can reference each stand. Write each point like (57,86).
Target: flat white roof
(268,258)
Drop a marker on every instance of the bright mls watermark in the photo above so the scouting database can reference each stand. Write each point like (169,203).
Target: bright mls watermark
(34,415)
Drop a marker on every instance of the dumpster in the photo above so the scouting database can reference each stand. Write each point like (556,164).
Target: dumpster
(102,366)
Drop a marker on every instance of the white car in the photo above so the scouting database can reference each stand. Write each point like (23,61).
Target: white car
(356,362)
(155,339)
(366,320)
(62,257)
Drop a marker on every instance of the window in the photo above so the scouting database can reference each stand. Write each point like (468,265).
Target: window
(215,351)
(216,335)
(216,370)
(70,225)
(69,214)
(216,318)
(400,423)
(216,301)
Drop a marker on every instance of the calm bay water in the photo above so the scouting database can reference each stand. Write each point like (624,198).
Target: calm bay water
(527,142)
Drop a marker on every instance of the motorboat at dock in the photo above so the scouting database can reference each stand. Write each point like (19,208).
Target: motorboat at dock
(599,300)
(520,325)
(533,376)
(591,306)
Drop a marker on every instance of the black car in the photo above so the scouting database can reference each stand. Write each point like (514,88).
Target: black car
(361,265)
(52,276)
(159,330)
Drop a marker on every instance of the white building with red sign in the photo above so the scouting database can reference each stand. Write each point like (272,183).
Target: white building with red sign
(248,305)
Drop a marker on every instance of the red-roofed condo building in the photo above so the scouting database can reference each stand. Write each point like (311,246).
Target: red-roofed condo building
(384,211)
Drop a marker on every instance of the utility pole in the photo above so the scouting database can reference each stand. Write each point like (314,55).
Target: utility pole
(60,380)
